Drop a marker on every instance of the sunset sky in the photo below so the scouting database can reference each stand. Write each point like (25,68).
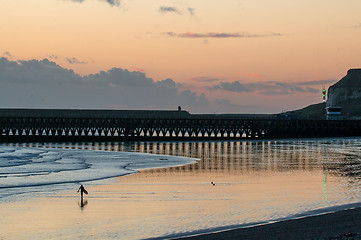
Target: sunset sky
(208,56)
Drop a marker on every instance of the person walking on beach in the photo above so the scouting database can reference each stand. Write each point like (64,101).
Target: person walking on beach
(82,190)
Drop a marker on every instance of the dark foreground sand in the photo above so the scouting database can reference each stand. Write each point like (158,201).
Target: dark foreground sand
(340,225)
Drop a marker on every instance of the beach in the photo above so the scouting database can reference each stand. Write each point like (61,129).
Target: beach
(345,224)
(128,208)
(234,185)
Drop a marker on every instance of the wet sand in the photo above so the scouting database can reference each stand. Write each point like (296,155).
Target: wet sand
(344,224)
(143,206)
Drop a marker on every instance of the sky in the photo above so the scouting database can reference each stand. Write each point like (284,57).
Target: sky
(207,56)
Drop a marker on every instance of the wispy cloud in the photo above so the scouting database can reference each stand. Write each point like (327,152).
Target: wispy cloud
(168,9)
(269,88)
(205,79)
(111,2)
(316,82)
(191,11)
(231,87)
(177,10)
(74,60)
(219,35)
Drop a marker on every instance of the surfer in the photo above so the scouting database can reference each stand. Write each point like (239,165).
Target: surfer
(82,190)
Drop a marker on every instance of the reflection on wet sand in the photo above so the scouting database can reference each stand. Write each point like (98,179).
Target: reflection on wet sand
(82,203)
(338,157)
(240,156)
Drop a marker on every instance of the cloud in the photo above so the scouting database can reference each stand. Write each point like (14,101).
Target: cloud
(22,73)
(268,88)
(111,2)
(219,35)
(313,90)
(280,88)
(168,9)
(316,82)
(8,54)
(178,10)
(74,61)
(231,87)
(54,57)
(222,103)
(191,11)
(44,84)
(205,79)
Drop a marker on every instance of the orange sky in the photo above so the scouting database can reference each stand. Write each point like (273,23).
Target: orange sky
(194,42)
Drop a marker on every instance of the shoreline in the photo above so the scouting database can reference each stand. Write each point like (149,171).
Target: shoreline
(343,224)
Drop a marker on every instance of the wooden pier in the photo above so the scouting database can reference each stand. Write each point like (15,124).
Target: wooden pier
(68,125)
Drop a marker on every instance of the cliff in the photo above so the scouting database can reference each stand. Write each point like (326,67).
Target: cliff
(345,91)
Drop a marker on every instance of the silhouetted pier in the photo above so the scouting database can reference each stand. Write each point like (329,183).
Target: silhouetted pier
(61,125)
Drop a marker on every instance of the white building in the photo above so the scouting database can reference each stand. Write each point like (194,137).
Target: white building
(334,113)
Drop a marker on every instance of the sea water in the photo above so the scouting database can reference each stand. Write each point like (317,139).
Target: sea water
(255,182)
(30,171)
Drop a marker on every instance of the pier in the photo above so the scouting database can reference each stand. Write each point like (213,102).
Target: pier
(70,125)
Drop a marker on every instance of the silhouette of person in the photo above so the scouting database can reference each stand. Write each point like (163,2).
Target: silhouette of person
(82,190)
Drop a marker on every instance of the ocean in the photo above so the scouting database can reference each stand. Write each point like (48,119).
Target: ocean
(161,190)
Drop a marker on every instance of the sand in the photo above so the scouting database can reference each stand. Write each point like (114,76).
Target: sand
(344,224)
(138,207)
